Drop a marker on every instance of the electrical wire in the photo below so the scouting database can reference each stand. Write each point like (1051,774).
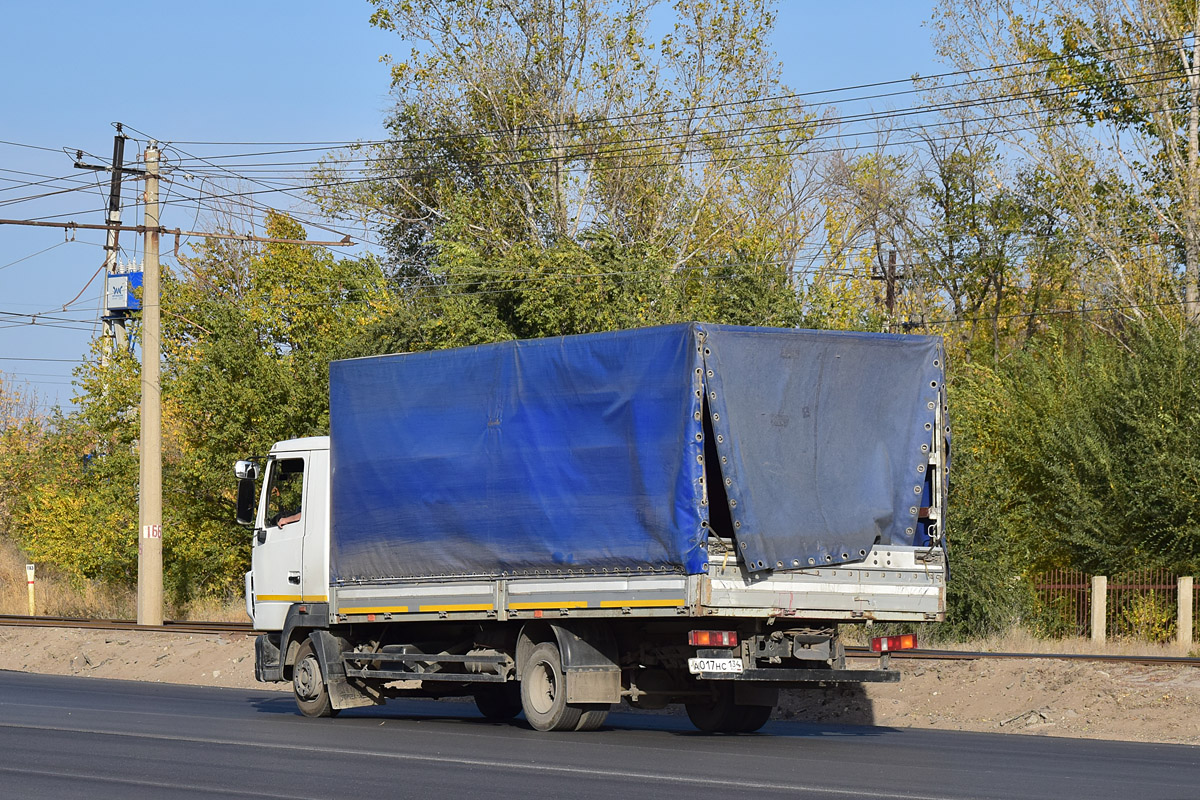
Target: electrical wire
(267,186)
(287,190)
(251,180)
(31,255)
(30,146)
(1136,47)
(600,162)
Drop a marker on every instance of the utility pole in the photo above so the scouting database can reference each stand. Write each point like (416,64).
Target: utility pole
(111,326)
(890,297)
(889,291)
(150,584)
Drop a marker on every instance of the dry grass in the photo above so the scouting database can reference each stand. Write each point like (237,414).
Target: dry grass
(213,610)
(57,596)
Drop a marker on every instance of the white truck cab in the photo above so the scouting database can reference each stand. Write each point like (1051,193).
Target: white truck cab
(290,559)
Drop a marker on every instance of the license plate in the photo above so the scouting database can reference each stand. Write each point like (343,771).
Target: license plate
(698,665)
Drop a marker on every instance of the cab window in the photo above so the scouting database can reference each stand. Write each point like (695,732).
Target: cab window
(286,491)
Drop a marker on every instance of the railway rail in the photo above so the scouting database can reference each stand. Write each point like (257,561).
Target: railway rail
(170,626)
(246,629)
(965,655)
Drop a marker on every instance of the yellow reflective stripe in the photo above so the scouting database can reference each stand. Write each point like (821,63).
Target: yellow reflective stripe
(523,606)
(291,598)
(373,610)
(460,607)
(642,603)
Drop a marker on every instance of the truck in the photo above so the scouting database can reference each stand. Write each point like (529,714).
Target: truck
(687,513)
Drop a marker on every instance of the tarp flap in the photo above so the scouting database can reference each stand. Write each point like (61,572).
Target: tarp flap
(820,436)
(550,456)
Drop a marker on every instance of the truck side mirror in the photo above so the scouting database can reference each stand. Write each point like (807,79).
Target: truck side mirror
(245,502)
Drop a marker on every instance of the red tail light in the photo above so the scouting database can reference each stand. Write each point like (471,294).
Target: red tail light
(713,638)
(886,644)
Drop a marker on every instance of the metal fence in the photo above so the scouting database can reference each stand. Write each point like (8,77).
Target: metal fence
(1142,605)
(1064,603)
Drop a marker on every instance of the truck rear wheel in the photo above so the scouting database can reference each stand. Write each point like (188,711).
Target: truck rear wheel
(308,684)
(753,717)
(721,714)
(544,695)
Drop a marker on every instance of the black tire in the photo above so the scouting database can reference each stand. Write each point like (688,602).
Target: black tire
(593,716)
(544,695)
(502,702)
(308,684)
(753,718)
(720,714)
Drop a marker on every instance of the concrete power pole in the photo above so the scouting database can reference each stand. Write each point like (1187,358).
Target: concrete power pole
(150,583)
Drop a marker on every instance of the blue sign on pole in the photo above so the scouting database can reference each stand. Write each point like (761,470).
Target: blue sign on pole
(119,292)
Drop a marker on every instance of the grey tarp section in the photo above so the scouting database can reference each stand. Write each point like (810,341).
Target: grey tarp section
(820,436)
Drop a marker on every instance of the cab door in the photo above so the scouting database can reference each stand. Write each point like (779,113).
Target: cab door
(277,560)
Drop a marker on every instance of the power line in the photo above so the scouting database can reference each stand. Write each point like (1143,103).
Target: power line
(751,130)
(1136,46)
(31,255)
(47,316)
(30,146)
(609,160)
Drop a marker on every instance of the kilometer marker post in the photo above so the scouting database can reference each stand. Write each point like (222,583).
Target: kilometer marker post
(29,580)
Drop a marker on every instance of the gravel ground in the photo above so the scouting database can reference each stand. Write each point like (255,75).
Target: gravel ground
(1036,697)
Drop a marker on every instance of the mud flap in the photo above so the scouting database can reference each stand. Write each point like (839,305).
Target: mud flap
(589,658)
(268,667)
(343,692)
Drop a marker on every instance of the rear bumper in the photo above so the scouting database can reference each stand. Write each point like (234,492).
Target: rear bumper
(782,677)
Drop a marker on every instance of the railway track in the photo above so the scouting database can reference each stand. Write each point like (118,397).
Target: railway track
(170,626)
(246,629)
(965,655)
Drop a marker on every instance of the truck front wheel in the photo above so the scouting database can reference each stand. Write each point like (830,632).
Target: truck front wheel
(312,697)
(544,695)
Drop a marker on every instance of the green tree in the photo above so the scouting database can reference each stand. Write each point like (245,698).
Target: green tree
(248,336)
(1084,451)
(1105,96)
(69,481)
(547,159)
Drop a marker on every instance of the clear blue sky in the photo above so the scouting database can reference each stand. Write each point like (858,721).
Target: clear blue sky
(250,71)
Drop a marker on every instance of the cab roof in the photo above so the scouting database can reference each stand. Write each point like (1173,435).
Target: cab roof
(298,445)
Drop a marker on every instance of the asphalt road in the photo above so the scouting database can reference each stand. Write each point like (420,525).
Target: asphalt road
(96,739)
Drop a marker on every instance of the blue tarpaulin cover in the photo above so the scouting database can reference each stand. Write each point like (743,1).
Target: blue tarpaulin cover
(586,454)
